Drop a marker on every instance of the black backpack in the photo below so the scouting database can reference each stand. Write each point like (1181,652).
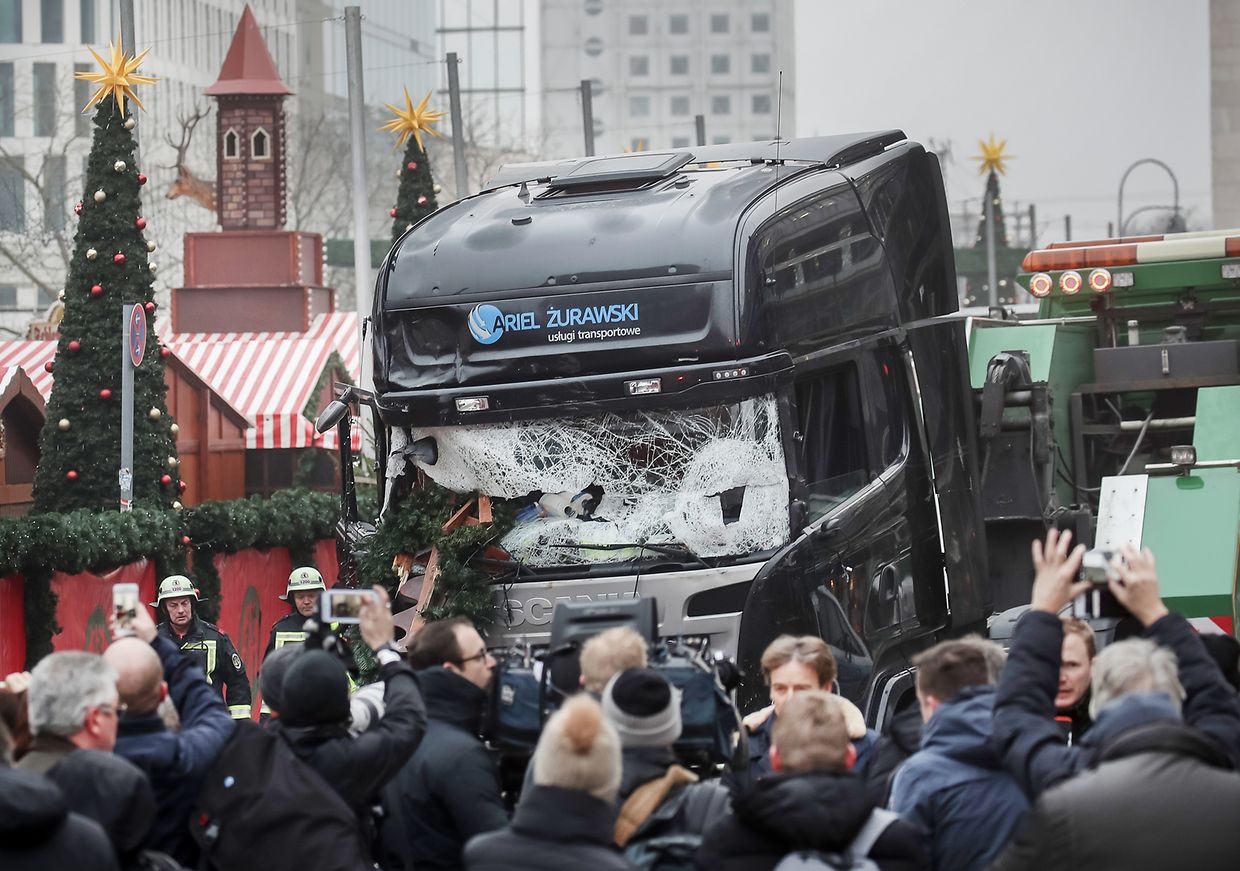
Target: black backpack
(262,808)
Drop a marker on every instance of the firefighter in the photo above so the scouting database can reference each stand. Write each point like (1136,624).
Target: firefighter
(204,642)
(305,585)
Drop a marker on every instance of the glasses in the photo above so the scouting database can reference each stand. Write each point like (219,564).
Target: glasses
(117,710)
(482,655)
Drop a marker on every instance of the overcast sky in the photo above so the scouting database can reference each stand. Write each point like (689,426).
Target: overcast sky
(1079,88)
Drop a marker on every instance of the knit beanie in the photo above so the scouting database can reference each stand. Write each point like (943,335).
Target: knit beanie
(644,708)
(315,690)
(271,675)
(579,750)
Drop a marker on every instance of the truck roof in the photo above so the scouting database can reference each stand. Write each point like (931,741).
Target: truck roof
(541,225)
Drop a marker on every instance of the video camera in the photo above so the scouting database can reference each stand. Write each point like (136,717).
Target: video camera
(530,686)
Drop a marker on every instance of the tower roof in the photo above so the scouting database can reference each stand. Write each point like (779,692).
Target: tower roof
(248,67)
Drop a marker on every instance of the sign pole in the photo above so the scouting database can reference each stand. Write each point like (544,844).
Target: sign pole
(126,472)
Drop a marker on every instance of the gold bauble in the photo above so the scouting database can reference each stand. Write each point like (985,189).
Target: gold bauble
(63,424)
(100,196)
(155,414)
(120,166)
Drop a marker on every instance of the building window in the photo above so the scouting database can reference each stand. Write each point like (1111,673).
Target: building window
(54,193)
(594,46)
(260,145)
(760,63)
(639,65)
(721,104)
(231,145)
(719,24)
(721,140)
(87,14)
(762,104)
(680,142)
(8,298)
(12,195)
(680,105)
(639,107)
(720,64)
(639,25)
(680,65)
(53,16)
(44,99)
(82,90)
(6,99)
(760,22)
(10,20)
(678,24)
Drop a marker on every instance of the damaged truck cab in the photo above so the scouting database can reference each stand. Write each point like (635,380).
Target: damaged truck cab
(717,376)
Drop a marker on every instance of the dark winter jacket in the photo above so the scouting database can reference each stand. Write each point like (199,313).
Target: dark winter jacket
(553,829)
(1074,721)
(286,630)
(1162,796)
(449,791)
(215,654)
(1032,743)
(760,757)
(38,833)
(820,811)
(900,739)
(100,786)
(954,790)
(176,762)
(359,767)
(704,803)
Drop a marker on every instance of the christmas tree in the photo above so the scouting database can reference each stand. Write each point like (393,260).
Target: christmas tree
(416,197)
(109,273)
(992,162)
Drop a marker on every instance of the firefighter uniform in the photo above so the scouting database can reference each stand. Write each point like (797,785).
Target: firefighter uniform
(208,646)
(218,658)
(287,630)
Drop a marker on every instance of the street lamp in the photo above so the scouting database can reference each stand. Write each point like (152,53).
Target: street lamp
(1175,183)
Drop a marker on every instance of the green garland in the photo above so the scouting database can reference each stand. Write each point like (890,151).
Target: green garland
(38,545)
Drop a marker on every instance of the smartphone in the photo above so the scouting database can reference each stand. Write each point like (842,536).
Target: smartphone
(1097,601)
(125,605)
(343,606)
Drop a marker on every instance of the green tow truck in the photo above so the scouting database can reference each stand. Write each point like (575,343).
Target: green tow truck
(1116,412)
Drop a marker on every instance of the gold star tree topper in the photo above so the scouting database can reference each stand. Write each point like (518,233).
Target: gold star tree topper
(992,158)
(118,77)
(412,120)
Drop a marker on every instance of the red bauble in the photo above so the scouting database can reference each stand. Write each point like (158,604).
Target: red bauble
(71,474)
(422,201)
(185,539)
(141,178)
(165,480)
(150,308)
(140,223)
(74,345)
(118,258)
(411,165)
(96,289)
(391,213)
(182,486)
(77,209)
(164,352)
(105,393)
(49,366)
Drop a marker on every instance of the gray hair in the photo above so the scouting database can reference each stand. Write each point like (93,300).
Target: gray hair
(63,687)
(1137,665)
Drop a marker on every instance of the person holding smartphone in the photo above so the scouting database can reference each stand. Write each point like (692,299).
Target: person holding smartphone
(206,644)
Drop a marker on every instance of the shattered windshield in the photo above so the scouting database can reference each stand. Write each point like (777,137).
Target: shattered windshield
(710,480)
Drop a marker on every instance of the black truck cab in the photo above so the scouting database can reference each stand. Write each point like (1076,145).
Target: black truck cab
(720,376)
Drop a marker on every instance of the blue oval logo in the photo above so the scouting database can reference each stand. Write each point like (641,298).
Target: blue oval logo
(486,324)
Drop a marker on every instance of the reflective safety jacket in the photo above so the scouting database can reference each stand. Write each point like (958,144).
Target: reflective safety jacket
(286,630)
(215,654)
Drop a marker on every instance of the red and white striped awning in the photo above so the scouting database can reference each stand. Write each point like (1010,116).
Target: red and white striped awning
(268,377)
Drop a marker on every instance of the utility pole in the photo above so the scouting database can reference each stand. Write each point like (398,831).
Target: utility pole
(1033,226)
(587,115)
(1110,230)
(357,137)
(458,126)
(1067,228)
(129,45)
(992,273)
(699,124)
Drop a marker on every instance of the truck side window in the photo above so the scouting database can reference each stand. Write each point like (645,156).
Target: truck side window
(833,450)
(884,405)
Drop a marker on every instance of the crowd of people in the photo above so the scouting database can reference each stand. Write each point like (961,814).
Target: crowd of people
(1052,754)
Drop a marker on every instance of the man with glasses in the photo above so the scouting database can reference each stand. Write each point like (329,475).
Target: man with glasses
(449,791)
(74,710)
